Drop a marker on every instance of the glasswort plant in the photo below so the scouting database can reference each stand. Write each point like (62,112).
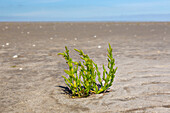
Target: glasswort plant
(84,83)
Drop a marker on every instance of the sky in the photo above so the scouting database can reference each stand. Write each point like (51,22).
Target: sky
(84,10)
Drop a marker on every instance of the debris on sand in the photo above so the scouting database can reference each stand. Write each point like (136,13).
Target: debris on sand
(15,56)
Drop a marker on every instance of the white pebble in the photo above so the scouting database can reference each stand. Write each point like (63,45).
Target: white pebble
(3,45)
(33,45)
(99,46)
(28,32)
(7,44)
(75,38)
(40,27)
(51,38)
(20,68)
(15,56)
(6,27)
(94,36)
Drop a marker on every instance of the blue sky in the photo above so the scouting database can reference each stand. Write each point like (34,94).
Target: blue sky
(84,10)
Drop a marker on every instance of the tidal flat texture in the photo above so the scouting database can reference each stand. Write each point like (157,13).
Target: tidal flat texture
(30,69)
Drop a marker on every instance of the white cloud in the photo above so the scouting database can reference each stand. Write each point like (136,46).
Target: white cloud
(34,13)
(145,4)
(43,13)
(46,1)
(39,1)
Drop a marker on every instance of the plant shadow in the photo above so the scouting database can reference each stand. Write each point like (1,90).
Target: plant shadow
(67,91)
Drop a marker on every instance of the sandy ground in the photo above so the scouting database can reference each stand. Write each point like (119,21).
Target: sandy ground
(30,69)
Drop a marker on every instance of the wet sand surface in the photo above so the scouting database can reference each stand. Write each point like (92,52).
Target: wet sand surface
(30,69)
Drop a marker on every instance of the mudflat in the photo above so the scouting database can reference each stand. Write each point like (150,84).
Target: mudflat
(30,69)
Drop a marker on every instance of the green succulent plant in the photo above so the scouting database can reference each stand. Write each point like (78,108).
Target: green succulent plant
(82,75)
